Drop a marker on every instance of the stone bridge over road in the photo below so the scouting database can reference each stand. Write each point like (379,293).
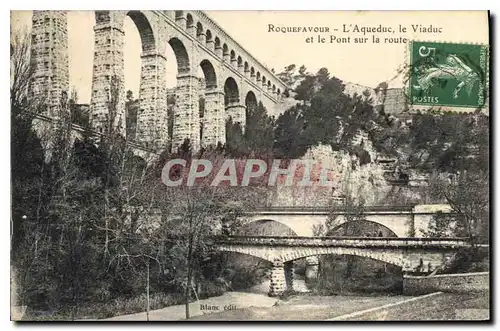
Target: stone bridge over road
(411,254)
(402,221)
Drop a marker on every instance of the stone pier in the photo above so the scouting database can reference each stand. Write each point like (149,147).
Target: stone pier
(289,275)
(237,112)
(214,119)
(108,76)
(278,282)
(152,127)
(187,115)
(312,268)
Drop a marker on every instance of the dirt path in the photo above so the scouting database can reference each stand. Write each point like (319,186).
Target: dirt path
(304,308)
(230,300)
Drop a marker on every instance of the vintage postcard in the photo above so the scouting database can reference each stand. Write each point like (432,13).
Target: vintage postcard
(172,165)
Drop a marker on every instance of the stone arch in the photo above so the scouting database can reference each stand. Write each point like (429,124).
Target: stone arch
(209,73)
(301,228)
(264,80)
(278,92)
(233,55)
(199,29)
(266,227)
(362,228)
(274,88)
(258,76)
(208,36)
(399,225)
(231,92)
(250,102)
(181,55)
(240,62)
(268,84)
(145,31)
(259,253)
(246,67)
(217,42)
(189,21)
(225,50)
(252,72)
(391,257)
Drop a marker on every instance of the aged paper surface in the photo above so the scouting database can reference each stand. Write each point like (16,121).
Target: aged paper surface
(250,165)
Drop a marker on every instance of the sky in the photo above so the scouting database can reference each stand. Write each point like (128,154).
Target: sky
(365,64)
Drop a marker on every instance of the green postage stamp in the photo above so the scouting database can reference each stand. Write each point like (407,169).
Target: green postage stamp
(448,74)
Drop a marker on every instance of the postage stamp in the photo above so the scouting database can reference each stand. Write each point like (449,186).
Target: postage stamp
(448,74)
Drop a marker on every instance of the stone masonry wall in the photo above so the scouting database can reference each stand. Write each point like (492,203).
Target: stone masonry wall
(152,126)
(214,122)
(108,71)
(187,116)
(416,285)
(49,57)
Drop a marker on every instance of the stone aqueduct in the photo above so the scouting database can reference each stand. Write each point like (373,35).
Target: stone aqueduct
(234,79)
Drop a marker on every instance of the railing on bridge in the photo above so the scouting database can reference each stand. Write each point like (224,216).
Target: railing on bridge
(342,241)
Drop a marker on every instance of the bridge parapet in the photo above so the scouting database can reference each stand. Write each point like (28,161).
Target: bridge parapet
(375,242)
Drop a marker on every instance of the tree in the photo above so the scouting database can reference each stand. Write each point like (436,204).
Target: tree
(257,138)
(21,68)
(191,214)
(467,193)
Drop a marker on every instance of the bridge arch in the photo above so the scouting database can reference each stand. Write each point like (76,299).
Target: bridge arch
(199,30)
(251,102)
(302,227)
(266,227)
(209,73)
(362,228)
(394,258)
(145,31)
(288,254)
(181,55)
(189,21)
(240,63)
(231,92)
(208,38)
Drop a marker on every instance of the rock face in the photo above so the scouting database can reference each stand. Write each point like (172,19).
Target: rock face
(395,101)
(366,184)
(49,57)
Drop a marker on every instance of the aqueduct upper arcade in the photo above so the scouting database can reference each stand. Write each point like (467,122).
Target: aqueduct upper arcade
(234,79)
